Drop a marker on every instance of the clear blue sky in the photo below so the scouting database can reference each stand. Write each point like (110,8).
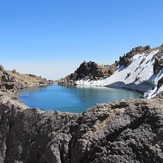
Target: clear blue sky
(52,37)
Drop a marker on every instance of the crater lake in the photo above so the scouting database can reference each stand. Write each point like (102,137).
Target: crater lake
(73,99)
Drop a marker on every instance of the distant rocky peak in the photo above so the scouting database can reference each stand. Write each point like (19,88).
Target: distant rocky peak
(89,71)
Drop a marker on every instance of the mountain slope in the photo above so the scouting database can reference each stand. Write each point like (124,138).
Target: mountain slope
(142,71)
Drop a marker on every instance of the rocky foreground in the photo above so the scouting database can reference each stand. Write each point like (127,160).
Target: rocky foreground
(126,131)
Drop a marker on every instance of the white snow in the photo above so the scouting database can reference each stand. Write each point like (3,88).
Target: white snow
(138,75)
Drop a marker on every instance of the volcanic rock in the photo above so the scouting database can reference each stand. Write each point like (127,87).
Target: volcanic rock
(126,131)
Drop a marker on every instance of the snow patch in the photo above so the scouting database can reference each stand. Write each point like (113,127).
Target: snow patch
(138,76)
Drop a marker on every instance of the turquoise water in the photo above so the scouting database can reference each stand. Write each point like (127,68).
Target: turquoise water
(72,99)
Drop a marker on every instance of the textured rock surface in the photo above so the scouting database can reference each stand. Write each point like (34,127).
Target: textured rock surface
(126,131)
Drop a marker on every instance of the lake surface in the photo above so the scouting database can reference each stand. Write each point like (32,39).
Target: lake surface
(72,99)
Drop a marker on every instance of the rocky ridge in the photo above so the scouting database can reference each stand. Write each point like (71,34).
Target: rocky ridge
(126,131)
(13,81)
(126,59)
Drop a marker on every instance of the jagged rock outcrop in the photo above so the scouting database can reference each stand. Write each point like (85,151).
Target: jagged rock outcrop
(126,131)
(6,80)
(89,71)
(125,60)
